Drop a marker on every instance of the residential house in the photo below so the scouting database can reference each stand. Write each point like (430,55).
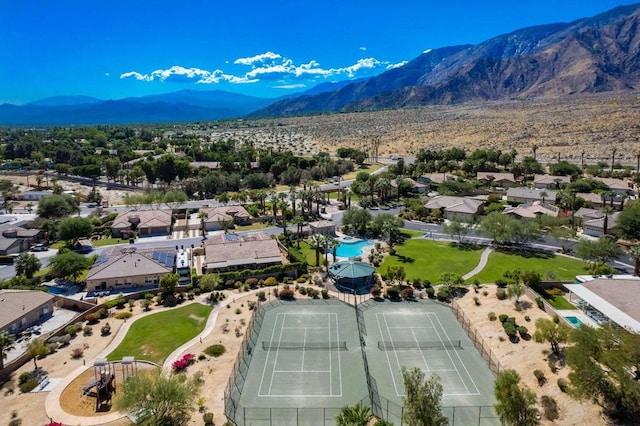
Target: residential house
(415,186)
(619,186)
(456,207)
(226,251)
(550,181)
(532,210)
(142,222)
(224,217)
(601,226)
(126,267)
(20,309)
(527,195)
(505,180)
(17,240)
(436,178)
(595,200)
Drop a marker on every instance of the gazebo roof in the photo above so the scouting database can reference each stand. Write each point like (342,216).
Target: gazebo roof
(351,269)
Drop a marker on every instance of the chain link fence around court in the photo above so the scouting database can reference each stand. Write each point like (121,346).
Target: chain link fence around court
(483,348)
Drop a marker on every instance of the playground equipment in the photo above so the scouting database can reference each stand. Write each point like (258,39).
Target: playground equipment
(129,367)
(103,383)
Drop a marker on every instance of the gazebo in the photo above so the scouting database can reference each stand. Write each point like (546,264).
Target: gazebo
(352,276)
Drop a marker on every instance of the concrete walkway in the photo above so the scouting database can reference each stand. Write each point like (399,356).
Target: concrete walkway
(484,257)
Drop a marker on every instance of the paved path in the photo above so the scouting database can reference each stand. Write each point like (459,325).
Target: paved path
(484,257)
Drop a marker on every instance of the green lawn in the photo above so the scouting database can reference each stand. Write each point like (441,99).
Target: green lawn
(309,253)
(154,337)
(109,241)
(564,268)
(559,302)
(410,233)
(427,259)
(253,226)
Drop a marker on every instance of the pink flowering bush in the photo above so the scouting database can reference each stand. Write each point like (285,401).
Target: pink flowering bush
(183,363)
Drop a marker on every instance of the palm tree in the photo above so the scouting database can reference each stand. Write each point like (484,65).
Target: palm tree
(293,197)
(582,161)
(355,415)
(316,241)
(298,221)
(534,148)
(282,205)
(330,243)
(203,217)
(27,264)
(6,344)
(614,151)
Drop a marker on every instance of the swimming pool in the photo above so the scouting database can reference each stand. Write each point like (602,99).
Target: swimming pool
(574,321)
(352,248)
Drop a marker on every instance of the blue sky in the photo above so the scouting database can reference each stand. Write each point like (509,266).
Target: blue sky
(268,48)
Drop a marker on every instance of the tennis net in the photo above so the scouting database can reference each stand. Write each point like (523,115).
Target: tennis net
(307,346)
(385,345)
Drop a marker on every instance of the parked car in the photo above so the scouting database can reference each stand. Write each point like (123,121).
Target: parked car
(39,247)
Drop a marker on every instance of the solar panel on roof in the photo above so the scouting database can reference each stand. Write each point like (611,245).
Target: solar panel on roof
(156,255)
(170,262)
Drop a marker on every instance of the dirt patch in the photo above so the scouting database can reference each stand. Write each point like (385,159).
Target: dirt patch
(525,356)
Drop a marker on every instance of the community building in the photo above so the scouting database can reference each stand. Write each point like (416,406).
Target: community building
(352,276)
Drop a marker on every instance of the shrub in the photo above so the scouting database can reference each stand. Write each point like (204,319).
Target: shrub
(523,331)
(476,301)
(87,331)
(563,384)
(550,407)
(392,293)
(65,339)
(207,418)
(376,291)
(540,302)
(93,318)
(502,283)
(251,282)
(238,311)
(215,350)
(183,363)
(492,316)
(509,328)
(105,330)
(303,291)
(325,293)
(28,385)
(251,305)
(202,357)
(301,280)
(123,315)
(503,318)
(552,366)
(71,330)
(407,293)
(540,377)
(501,294)
(512,320)
(77,353)
(485,293)
(270,282)
(287,293)
(527,318)
(261,296)
(431,292)
(23,378)
(443,293)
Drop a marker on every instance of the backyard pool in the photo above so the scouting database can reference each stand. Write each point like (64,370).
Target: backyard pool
(352,248)
(574,321)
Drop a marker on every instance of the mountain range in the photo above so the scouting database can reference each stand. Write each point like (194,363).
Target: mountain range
(590,55)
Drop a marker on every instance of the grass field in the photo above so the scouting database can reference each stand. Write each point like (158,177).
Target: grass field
(561,268)
(154,337)
(427,259)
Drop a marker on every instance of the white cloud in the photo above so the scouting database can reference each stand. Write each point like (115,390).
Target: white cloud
(290,86)
(266,66)
(258,58)
(363,48)
(398,65)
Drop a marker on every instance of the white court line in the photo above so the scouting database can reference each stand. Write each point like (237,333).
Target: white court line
(264,369)
(330,372)
(460,359)
(415,339)
(275,362)
(307,371)
(382,335)
(298,328)
(339,355)
(304,341)
(405,327)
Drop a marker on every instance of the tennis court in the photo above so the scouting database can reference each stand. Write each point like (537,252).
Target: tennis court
(426,335)
(306,363)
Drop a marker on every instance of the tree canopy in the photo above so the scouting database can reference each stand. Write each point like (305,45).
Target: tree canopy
(68,264)
(515,405)
(423,399)
(27,264)
(57,206)
(628,226)
(71,229)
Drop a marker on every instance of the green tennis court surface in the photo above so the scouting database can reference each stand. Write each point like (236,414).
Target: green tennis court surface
(304,361)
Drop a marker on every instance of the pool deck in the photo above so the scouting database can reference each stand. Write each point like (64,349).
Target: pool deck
(578,314)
